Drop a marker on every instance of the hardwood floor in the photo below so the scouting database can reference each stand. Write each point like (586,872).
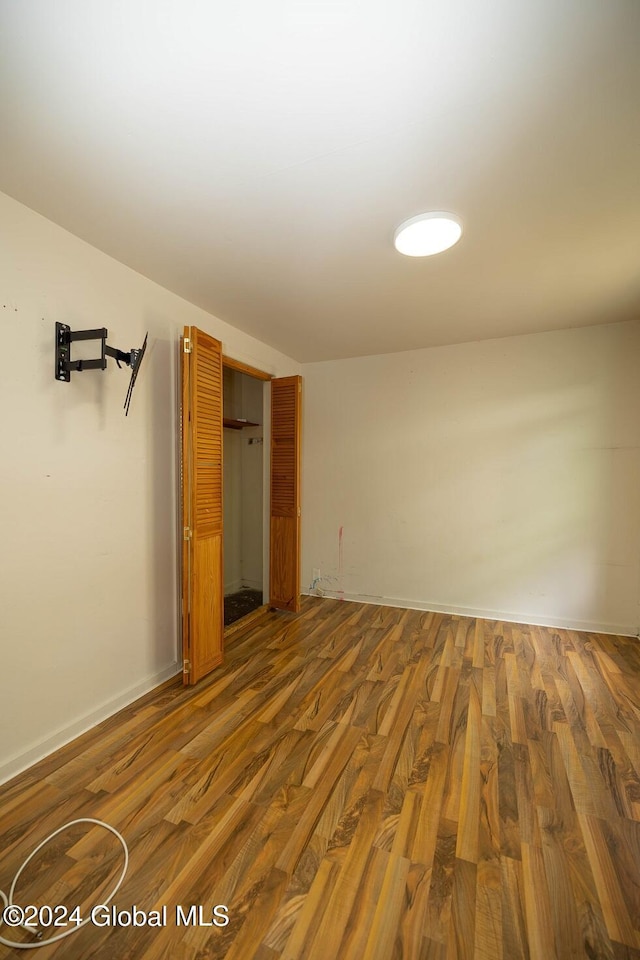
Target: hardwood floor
(356,782)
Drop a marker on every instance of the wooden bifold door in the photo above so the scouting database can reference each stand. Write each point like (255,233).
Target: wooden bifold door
(202,570)
(284,550)
(202,501)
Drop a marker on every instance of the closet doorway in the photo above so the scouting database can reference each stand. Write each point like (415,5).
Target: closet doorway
(202,468)
(243,409)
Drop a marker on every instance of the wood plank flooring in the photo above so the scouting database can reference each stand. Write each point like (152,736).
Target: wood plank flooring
(357,782)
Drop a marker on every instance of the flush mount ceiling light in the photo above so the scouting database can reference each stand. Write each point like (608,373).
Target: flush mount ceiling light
(428,233)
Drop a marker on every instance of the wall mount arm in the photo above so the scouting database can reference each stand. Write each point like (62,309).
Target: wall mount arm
(65,336)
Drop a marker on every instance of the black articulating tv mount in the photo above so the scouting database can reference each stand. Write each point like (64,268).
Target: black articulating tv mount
(65,336)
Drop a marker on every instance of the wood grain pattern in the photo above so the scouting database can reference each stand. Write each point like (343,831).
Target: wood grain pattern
(284,551)
(245,368)
(201,476)
(357,782)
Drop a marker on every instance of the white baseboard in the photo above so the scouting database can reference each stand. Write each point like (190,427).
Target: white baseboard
(243,584)
(21,761)
(585,626)
(252,584)
(232,587)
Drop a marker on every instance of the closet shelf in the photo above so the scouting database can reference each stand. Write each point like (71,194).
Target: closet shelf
(238,424)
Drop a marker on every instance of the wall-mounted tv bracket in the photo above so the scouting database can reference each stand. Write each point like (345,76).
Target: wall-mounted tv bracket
(65,336)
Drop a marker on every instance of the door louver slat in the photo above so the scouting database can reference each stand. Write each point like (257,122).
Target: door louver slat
(202,505)
(285,493)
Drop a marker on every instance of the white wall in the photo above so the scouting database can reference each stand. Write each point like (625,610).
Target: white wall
(232,499)
(245,513)
(499,478)
(253,487)
(232,496)
(88,593)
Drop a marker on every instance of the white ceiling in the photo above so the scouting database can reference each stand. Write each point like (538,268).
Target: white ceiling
(256,157)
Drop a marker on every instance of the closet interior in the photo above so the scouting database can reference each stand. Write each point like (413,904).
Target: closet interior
(243,480)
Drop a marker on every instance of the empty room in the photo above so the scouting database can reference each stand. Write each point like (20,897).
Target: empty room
(320,516)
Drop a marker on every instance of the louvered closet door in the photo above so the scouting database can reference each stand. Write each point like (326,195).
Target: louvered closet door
(202,569)
(284,578)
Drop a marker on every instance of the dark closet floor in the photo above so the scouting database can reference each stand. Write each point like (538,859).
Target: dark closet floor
(237,605)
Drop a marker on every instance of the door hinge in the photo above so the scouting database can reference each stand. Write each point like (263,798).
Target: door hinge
(186,666)
(187,344)
(187,533)
(298,511)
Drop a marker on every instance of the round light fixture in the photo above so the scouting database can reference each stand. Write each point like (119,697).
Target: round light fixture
(427,234)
